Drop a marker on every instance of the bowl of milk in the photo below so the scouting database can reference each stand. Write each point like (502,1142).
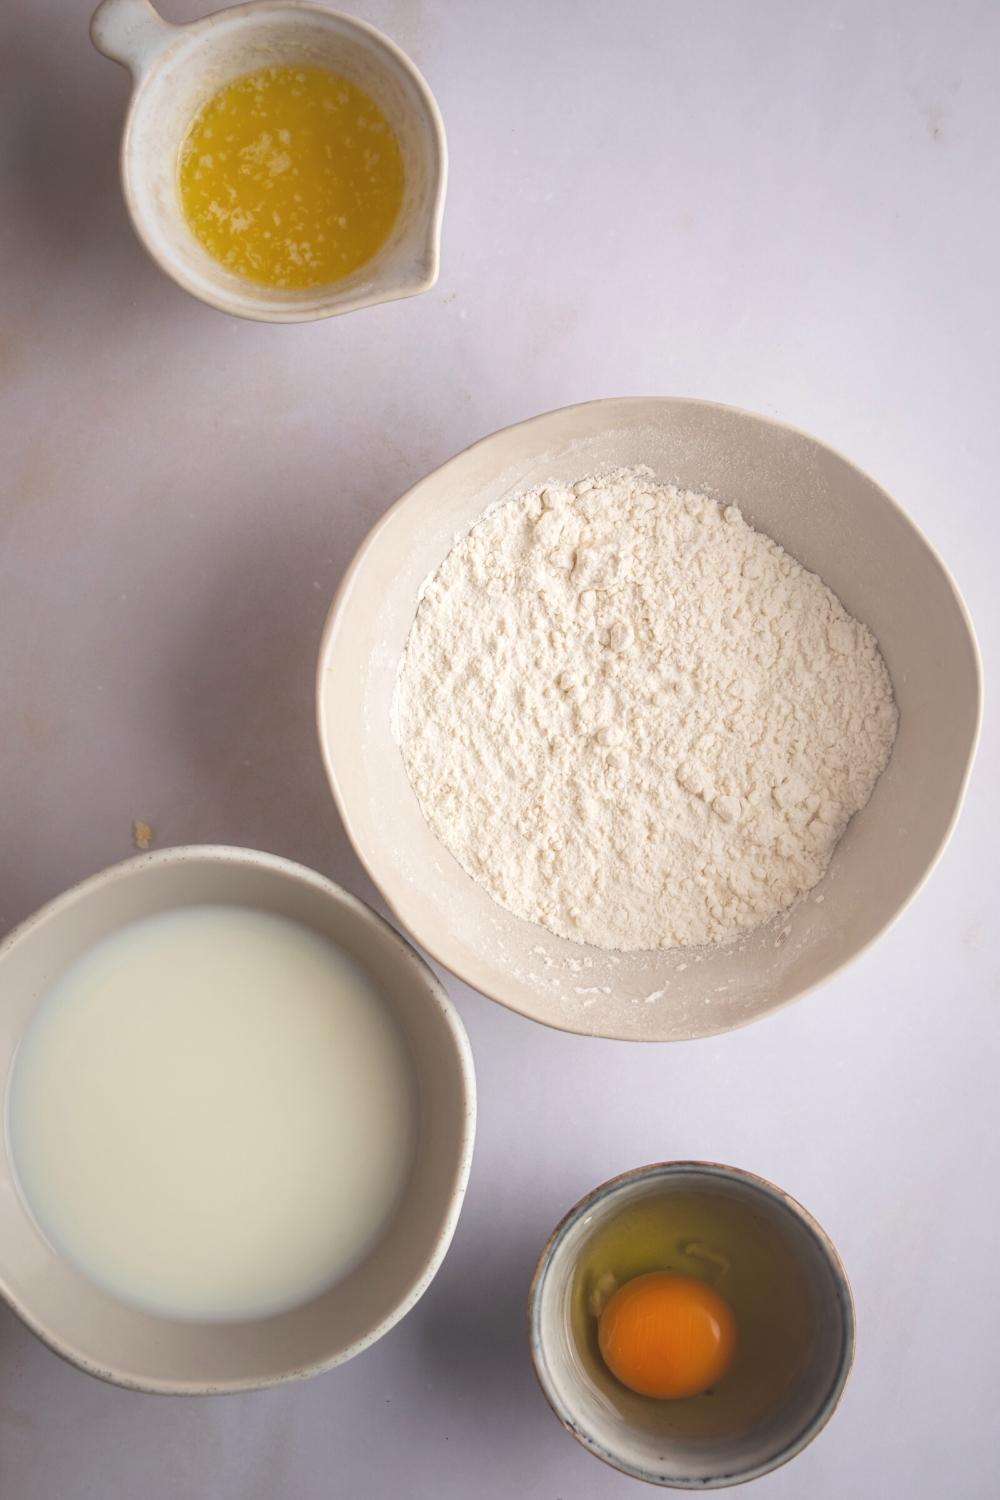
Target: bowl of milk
(239,1113)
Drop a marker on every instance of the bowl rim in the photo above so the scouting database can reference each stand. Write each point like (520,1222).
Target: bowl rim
(323,304)
(383,932)
(776,1198)
(341,603)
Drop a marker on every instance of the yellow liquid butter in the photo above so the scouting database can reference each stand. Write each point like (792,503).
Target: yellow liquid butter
(291,177)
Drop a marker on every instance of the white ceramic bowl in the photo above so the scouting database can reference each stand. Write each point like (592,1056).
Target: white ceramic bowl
(124,1344)
(176,68)
(826,513)
(621,1434)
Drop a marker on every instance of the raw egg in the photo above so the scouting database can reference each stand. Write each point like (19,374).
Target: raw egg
(667,1335)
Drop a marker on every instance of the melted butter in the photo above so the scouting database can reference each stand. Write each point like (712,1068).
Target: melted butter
(291,177)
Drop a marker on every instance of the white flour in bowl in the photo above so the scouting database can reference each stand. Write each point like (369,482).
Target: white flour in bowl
(634,719)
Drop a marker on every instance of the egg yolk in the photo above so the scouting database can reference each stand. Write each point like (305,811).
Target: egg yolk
(667,1335)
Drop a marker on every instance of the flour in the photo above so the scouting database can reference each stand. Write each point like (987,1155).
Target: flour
(635,720)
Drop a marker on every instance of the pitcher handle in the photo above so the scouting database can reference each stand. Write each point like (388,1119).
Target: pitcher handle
(130,32)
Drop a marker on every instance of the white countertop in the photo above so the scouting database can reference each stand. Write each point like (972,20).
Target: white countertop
(789,205)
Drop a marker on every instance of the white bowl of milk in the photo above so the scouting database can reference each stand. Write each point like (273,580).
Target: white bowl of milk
(239,1116)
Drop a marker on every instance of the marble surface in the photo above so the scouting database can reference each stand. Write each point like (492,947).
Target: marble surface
(790,206)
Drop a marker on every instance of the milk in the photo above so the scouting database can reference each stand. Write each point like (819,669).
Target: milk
(211,1114)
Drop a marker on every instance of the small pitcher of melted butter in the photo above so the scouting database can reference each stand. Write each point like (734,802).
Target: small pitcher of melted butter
(279,163)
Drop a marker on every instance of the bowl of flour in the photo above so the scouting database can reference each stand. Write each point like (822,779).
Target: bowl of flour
(647,715)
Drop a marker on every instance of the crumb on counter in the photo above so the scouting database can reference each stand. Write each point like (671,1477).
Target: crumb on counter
(142,834)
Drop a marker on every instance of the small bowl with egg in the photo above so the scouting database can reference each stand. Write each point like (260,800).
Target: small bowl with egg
(691,1325)
(281,162)
(239,1116)
(521,739)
